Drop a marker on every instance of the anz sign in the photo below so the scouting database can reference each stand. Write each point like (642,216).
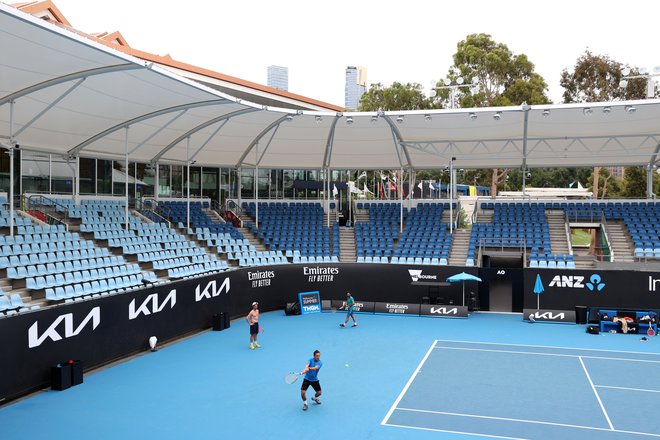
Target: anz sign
(594,283)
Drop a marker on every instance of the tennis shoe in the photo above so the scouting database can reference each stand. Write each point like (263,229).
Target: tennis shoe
(354,325)
(342,325)
(305,406)
(316,399)
(252,347)
(257,345)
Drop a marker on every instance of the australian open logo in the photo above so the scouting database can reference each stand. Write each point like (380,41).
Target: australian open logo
(417,275)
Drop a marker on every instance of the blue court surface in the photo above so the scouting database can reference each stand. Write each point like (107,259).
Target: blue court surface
(487,376)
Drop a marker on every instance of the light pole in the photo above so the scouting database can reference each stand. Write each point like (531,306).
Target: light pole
(451,195)
(447,85)
(650,93)
(650,83)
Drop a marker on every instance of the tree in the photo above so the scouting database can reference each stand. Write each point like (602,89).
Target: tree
(396,97)
(501,78)
(603,184)
(596,78)
(634,182)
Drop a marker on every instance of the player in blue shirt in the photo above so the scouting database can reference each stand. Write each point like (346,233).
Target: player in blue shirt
(311,373)
(350,303)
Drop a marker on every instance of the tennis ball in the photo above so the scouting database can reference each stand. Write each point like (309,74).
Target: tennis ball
(346,365)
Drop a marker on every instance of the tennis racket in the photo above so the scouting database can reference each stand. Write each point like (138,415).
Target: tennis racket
(650,331)
(291,378)
(261,328)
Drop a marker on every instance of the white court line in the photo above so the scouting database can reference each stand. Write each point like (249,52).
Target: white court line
(546,346)
(627,389)
(537,422)
(441,347)
(609,422)
(410,381)
(454,432)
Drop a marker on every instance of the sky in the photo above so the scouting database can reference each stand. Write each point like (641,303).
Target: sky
(411,41)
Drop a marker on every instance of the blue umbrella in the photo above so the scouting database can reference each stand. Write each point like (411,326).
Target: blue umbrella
(538,289)
(463,277)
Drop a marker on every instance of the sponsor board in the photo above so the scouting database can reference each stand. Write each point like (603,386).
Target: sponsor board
(326,305)
(544,315)
(310,302)
(261,278)
(359,307)
(594,283)
(418,275)
(56,332)
(320,274)
(443,311)
(397,308)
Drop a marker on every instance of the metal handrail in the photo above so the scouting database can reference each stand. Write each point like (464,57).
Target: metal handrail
(567,230)
(606,232)
(35,202)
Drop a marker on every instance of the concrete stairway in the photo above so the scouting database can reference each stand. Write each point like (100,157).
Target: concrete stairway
(459,247)
(622,246)
(557,227)
(347,252)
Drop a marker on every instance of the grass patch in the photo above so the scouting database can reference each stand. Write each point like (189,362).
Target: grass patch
(580,237)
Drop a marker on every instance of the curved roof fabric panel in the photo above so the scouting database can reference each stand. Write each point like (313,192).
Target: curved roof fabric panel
(63,93)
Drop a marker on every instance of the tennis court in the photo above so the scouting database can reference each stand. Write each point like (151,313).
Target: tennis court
(497,383)
(526,391)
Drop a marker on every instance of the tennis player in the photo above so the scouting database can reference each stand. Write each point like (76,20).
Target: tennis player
(350,312)
(311,373)
(253,320)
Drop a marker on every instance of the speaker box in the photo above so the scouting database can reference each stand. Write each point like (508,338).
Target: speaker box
(292,309)
(219,321)
(593,329)
(76,372)
(60,377)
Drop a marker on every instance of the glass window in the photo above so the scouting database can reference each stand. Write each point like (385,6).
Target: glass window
(247,183)
(87,175)
(36,172)
(103,176)
(146,178)
(62,176)
(164,180)
(177,181)
(210,183)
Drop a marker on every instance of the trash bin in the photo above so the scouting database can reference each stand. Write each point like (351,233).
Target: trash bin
(580,314)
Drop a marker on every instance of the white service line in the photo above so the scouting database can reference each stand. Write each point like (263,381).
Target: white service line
(538,422)
(545,346)
(609,422)
(627,389)
(444,347)
(410,381)
(455,432)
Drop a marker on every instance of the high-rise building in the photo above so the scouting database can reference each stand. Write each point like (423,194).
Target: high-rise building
(278,77)
(356,86)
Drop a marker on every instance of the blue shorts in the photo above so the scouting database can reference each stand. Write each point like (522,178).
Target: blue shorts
(349,311)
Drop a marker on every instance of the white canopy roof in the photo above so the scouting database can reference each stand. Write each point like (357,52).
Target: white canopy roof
(63,93)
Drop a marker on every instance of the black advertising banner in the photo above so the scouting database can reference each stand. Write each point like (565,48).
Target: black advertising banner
(554,289)
(443,311)
(397,308)
(359,307)
(542,315)
(99,331)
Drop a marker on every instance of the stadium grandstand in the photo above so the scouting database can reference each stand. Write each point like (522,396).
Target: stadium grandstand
(127,176)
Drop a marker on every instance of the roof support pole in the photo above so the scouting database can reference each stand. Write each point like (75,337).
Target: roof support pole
(157,188)
(525,109)
(238,186)
(256,184)
(649,172)
(326,194)
(76,182)
(12,146)
(401,201)
(126,176)
(188,183)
